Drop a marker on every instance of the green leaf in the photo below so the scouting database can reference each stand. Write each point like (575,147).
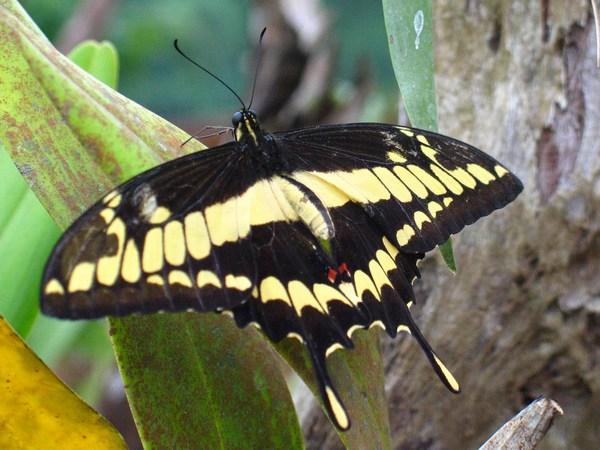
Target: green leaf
(409,26)
(409,29)
(448,254)
(26,237)
(219,386)
(99,59)
(78,139)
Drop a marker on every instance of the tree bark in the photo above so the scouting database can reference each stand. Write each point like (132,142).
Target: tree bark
(521,317)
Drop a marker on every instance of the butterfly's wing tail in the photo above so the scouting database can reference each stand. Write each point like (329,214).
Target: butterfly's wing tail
(438,366)
(331,399)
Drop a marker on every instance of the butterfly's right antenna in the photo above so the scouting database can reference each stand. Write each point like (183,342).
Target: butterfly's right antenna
(260,52)
(176,45)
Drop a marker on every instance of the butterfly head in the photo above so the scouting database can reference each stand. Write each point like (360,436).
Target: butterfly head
(246,127)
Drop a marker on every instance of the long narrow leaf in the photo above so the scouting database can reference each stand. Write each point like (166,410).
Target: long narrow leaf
(409,26)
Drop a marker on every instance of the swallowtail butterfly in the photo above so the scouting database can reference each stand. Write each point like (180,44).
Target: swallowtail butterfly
(311,233)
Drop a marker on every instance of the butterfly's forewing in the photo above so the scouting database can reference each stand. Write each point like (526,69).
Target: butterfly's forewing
(145,246)
(419,187)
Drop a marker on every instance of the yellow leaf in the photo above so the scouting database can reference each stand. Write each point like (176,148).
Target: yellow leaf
(38,411)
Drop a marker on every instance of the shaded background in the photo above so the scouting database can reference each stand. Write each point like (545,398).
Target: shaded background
(518,79)
(221,36)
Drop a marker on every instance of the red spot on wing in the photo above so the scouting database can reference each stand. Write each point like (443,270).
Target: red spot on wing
(332,274)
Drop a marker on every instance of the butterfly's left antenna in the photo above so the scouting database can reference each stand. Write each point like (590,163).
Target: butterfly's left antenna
(176,45)
(259,57)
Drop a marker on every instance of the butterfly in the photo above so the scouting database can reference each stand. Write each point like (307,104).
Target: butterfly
(310,234)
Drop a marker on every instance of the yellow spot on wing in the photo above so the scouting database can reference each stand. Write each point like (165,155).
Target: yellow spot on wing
(422,139)
(500,171)
(406,131)
(347,289)
(206,277)
(377,323)
(463,176)
(293,334)
(107,214)
(339,413)
(364,283)
(430,153)
(131,270)
(326,294)
(394,185)
(108,197)
(302,297)
(420,218)
(385,260)
(378,276)
(352,329)
(239,282)
(396,157)
(447,201)
(403,328)
(443,173)
(411,181)
(434,208)
(196,235)
(174,243)
(115,201)
(447,375)
(361,185)
(391,248)
(332,348)
(108,266)
(152,255)
(269,204)
(180,277)
(328,193)
(221,221)
(155,279)
(82,277)
(368,183)
(404,234)
(54,287)
(243,213)
(429,181)
(481,173)
(453,185)
(160,215)
(272,289)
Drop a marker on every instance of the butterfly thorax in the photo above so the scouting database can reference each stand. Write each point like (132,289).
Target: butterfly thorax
(259,145)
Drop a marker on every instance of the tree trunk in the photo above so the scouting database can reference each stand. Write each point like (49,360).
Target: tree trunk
(521,317)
